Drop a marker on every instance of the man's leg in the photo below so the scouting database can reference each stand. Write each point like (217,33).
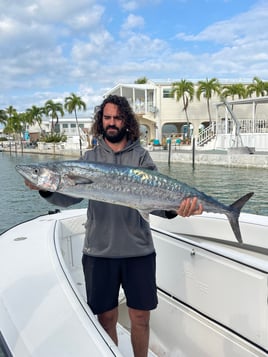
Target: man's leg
(140,331)
(108,321)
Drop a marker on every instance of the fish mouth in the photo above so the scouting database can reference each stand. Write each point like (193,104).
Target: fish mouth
(21,170)
(25,172)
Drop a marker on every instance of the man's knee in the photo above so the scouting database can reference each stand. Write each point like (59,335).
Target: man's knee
(139,317)
(108,319)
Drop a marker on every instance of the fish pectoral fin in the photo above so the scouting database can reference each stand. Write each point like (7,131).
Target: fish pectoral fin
(78,180)
(145,215)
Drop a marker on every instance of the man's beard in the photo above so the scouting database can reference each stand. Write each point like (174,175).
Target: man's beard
(116,137)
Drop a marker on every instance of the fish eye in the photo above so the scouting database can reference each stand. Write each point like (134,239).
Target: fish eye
(36,171)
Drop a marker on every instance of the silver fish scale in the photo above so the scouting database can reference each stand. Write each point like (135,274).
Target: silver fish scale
(144,190)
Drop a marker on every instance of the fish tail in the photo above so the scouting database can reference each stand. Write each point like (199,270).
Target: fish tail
(234,213)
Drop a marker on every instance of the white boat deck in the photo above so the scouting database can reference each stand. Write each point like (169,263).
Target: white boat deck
(208,291)
(230,261)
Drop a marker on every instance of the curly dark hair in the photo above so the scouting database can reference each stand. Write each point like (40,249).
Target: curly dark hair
(126,112)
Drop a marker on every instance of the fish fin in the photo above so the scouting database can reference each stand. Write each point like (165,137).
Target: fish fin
(234,213)
(145,215)
(80,180)
(237,205)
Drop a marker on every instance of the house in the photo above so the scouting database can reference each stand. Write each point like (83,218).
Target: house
(162,117)
(66,126)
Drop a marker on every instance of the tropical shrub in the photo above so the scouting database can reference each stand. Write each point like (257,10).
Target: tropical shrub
(54,138)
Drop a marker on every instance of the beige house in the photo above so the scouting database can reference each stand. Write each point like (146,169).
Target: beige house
(161,116)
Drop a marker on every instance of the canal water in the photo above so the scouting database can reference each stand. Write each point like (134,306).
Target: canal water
(18,203)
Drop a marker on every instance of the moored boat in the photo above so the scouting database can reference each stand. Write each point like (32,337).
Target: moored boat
(212,290)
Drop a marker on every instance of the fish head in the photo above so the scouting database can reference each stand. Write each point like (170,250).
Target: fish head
(41,176)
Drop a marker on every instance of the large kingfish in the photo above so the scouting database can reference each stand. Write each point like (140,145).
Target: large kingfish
(139,188)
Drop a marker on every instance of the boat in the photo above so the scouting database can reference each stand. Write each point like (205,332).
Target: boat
(212,290)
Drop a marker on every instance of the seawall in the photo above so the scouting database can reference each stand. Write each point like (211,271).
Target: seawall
(219,158)
(213,158)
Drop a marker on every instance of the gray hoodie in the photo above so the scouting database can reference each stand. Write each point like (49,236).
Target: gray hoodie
(114,231)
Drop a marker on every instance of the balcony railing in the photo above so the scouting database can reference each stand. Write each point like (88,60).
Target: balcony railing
(206,134)
(247,126)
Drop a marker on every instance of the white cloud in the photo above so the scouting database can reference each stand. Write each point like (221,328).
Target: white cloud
(140,46)
(52,47)
(131,5)
(59,10)
(132,22)
(86,20)
(99,44)
(236,28)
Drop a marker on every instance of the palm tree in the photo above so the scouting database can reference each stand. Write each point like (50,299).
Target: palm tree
(185,90)
(208,88)
(141,80)
(35,115)
(258,87)
(3,116)
(266,87)
(10,111)
(72,104)
(15,124)
(231,90)
(52,109)
(11,120)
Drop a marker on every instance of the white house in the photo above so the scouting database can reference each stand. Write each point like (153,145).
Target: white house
(162,116)
(67,126)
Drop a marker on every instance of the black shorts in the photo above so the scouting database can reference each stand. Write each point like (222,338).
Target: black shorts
(103,277)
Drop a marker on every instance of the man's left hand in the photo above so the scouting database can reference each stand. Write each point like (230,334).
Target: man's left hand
(189,207)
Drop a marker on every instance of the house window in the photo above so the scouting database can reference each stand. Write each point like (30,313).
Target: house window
(167,93)
(73,125)
(65,126)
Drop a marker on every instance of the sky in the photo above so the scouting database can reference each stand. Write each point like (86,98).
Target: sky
(51,48)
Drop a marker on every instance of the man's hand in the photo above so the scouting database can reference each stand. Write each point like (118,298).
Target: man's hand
(30,185)
(189,207)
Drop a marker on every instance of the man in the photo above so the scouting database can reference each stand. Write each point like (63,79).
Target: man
(118,248)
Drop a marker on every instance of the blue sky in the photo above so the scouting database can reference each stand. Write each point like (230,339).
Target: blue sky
(50,48)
